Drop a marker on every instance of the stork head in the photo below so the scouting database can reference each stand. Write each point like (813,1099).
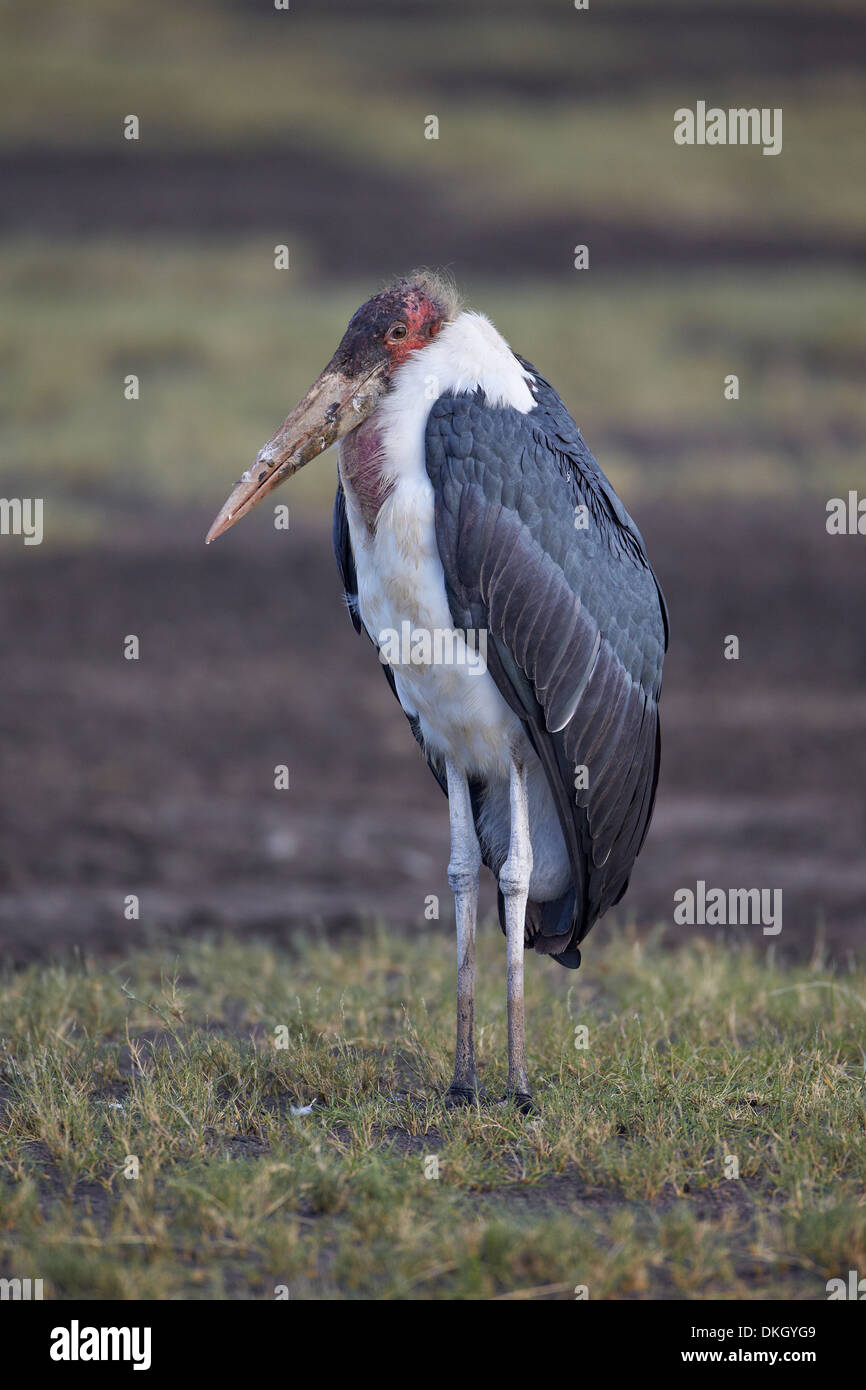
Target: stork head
(403,319)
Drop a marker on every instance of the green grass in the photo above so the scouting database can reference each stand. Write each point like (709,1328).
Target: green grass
(618,1182)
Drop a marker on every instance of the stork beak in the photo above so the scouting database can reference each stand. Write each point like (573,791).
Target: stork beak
(334,405)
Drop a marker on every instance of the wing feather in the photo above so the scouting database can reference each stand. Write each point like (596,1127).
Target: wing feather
(576,620)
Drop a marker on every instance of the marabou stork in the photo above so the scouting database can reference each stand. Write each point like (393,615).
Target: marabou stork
(468,503)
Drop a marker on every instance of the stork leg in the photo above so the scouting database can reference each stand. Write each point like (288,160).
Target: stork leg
(463,869)
(514,885)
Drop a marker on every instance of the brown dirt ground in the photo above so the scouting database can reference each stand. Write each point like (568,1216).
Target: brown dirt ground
(155,777)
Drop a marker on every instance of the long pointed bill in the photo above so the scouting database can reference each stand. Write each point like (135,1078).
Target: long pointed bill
(332,407)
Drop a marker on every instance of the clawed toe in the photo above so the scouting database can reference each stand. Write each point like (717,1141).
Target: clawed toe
(464,1095)
(457,1095)
(521,1100)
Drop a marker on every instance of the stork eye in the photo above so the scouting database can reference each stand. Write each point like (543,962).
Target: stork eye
(396,331)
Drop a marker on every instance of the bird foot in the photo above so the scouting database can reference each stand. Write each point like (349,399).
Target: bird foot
(521,1100)
(463,1095)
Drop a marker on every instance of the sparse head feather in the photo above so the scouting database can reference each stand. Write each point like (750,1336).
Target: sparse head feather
(438,285)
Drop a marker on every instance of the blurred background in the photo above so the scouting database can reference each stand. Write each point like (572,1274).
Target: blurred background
(155,257)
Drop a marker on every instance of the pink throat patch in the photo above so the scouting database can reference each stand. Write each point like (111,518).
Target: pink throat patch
(361,469)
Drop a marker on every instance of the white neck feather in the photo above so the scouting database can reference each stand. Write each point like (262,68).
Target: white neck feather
(467,354)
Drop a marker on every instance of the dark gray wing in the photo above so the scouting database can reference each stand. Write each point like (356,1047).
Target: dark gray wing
(576,621)
(343,555)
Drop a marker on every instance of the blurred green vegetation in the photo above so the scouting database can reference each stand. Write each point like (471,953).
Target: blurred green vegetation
(516,125)
(542,115)
(224,345)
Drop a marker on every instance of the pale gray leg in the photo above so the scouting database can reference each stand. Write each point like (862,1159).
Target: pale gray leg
(463,869)
(514,885)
